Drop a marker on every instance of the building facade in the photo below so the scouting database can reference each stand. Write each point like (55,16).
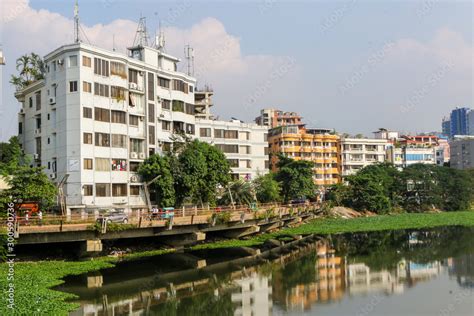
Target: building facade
(274,118)
(356,153)
(98,114)
(446,126)
(470,122)
(403,157)
(459,122)
(317,145)
(462,152)
(245,145)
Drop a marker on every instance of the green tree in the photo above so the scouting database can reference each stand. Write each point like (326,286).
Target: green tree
(456,187)
(30,69)
(242,193)
(267,189)
(29,184)
(295,177)
(162,189)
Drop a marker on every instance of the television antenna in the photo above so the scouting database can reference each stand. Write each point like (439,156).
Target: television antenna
(189,55)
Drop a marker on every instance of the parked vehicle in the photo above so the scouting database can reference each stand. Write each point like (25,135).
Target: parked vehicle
(114,216)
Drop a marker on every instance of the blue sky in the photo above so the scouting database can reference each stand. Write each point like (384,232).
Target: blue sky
(354,65)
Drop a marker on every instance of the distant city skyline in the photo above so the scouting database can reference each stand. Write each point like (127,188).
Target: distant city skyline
(348,65)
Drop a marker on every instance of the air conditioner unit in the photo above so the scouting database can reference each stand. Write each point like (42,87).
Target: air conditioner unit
(162,115)
(158,99)
(36,156)
(37,131)
(133,155)
(134,179)
(141,118)
(52,100)
(133,85)
(22,111)
(60,61)
(53,175)
(142,155)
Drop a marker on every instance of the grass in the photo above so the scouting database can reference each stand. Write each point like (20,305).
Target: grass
(34,280)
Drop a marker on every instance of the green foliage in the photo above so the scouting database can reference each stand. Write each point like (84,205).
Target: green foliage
(30,69)
(381,188)
(295,177)
(242,194)
(221,218)
(267,189)
(27,183)
(162,189)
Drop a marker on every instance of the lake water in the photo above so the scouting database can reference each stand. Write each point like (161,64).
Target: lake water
(429,272)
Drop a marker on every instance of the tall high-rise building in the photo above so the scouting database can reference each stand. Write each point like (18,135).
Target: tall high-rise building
(446,126)
(470,121)
(459,121)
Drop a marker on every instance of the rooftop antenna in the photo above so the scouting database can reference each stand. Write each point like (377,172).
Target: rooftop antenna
(189,55)
(76,23)
(113,42)
(160,43)
(141,37)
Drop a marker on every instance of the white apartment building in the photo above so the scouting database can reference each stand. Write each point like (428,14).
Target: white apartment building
(245,145)
(356,153)
(98,114)
(402,157)
(462,152)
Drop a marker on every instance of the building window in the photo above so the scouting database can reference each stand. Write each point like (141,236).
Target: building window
(245,135)
(265,137)
(133,120)
(87,112)
(163,82)
(165,125)
(117,93)
(134,190)
(189,108)
(265,150)
(228,149)
(119,165)
(134,165)
(102,189)
(190,129)
(88,190)
(86,61)
(245,150)
(118,69)
(102,164)
(30,101)
(133,76)
(165,104)
(72,86)
(38,99)
(102,139)
(87,138)
(151,135)
(119,141)
(178,106)
(87,164)
(101,67)
(180,85)
(136,145)
(20,128)
(151,113)
(118,117)
(73,61)
(205,132)
(87,86)
(267,164)
(119,189)
(102,115)
(191,89)
(151,86)
(101,89)
(229,134)
(233,163)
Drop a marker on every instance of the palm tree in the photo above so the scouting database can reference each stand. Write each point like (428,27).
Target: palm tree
(242,194)
(31,68)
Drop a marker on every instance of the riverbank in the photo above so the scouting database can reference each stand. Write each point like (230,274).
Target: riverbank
(34,280)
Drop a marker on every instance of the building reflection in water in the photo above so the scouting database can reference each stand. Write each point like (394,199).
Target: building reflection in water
(298,280)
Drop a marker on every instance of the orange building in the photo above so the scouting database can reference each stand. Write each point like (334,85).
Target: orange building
(317,145)
(274,118)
